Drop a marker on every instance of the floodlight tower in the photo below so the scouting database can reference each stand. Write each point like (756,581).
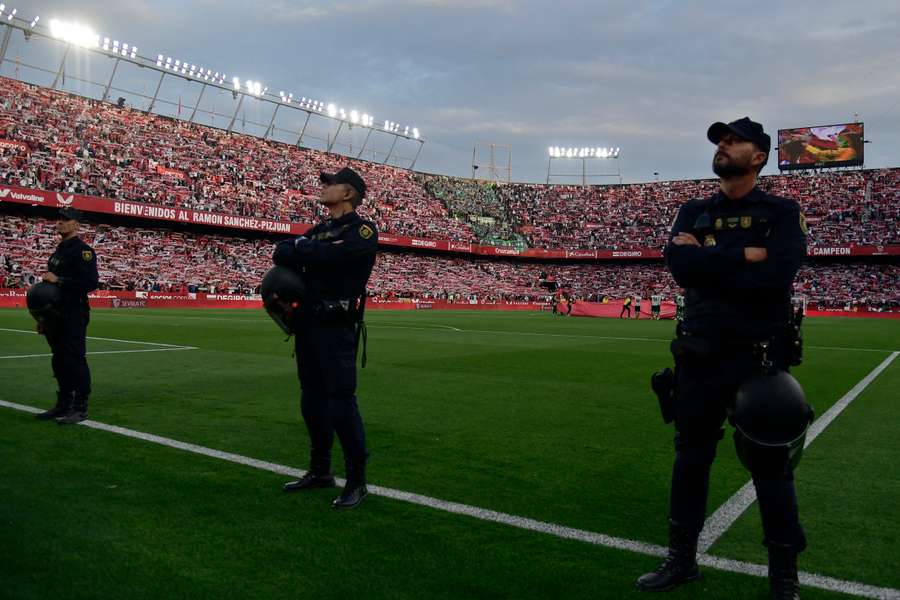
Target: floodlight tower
(494,172)
(596,156)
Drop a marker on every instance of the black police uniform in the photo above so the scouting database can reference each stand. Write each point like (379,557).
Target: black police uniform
(75,264)
(336,258)
(730,307)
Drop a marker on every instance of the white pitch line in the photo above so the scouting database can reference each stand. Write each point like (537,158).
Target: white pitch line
(103,339)
(725,516)
(108,352)
(560,531)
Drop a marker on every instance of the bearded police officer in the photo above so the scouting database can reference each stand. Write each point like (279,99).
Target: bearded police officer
(736,255)
(73,268)
(335,258)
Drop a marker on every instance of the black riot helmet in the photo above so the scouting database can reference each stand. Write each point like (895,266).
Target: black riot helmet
(43,300)
(771,417)
(282,289)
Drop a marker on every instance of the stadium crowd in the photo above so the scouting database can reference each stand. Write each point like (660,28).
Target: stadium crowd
(56,141)
(77,145)
(176,261)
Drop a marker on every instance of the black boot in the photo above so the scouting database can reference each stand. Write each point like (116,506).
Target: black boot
(680,566)
(783,581)
(351,497)
(355,491)
(77,412)
(310,481)
(63,405)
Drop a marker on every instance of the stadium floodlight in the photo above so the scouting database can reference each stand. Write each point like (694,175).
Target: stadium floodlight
(12,14)
(34,22)
(255,88)
(354,117)
(332,110)
(73,33)
(159,60)
(236,82)
(169,63)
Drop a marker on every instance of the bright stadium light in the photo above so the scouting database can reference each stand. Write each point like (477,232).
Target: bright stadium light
(332,110)
(354,117)
(34,22)
(236,83)
(73,33)
(12,14)
(416,132)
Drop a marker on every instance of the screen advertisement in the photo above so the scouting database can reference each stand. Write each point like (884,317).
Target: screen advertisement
(821,147)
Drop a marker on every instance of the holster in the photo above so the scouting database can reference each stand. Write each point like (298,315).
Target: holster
(663,385)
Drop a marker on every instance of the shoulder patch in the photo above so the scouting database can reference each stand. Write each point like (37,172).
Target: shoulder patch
(365,232)
(803,226)
(87,255)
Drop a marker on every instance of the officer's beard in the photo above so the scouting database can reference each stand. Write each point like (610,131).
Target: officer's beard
(729,170)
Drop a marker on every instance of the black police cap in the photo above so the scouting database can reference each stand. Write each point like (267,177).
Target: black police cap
(743,128)
(348,176)
(71,214)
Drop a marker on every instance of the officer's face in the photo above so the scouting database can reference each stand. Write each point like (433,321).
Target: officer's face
(66,226)
(736,156)
(335,193)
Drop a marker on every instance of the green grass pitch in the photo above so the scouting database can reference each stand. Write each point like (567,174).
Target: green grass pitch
(543,417)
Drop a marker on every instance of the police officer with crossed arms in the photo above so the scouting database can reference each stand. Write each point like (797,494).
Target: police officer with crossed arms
(736,255)
(73,269)
(336,258)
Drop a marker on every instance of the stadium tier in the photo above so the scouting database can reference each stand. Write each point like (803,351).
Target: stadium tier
(58,142)
(134,258)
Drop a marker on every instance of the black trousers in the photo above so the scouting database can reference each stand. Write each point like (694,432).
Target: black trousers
(326,365)
(67,340)
(704,389)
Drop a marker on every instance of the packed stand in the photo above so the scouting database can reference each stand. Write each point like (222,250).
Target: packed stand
(83,146)
(175,261)
(56,141)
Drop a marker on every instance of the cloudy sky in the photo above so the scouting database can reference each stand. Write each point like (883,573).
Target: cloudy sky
(646,76)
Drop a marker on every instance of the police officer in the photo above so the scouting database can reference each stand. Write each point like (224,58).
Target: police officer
(736,255)
(336,258)
(72,267)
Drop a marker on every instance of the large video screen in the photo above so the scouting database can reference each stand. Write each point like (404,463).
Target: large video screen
(820,147)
